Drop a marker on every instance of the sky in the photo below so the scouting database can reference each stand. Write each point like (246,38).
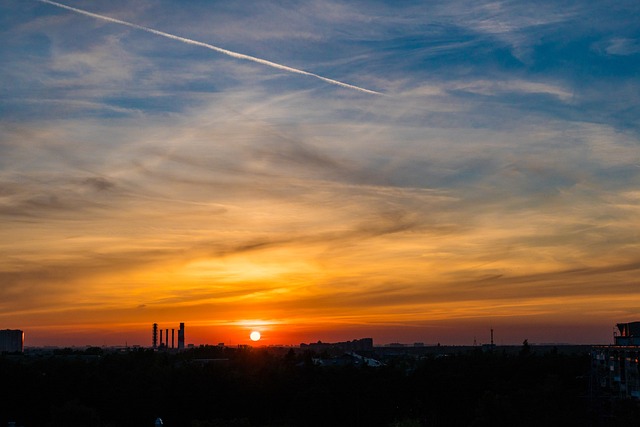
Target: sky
(416,171)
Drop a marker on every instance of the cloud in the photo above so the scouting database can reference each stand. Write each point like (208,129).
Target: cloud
(623,47)
(486,87)
(100,184)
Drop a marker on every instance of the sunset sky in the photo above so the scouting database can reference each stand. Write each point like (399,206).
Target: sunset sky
(493,183)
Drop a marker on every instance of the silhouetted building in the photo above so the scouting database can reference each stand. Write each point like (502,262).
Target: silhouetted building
(12,341)
(181,337)
(629,334)
(363,344)
(615,369)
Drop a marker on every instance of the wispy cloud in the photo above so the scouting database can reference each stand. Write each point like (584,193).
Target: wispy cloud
(502,87)
(623,46)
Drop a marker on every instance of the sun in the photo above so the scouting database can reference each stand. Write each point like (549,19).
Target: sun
(255,336)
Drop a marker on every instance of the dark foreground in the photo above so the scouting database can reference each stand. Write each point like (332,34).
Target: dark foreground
(216,387)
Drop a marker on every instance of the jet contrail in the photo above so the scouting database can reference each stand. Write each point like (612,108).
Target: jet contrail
(208,46)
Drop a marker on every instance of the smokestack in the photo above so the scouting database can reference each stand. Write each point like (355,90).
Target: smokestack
(155,336)
(166,337)
(173,337)
(160,338)
(181,337)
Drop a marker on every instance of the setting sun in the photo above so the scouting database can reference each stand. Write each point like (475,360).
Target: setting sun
(255,336)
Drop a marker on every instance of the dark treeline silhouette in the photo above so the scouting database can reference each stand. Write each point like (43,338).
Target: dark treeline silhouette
(219,387)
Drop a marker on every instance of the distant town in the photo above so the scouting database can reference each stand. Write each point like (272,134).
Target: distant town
(615,367)
(167,340)
(391,385)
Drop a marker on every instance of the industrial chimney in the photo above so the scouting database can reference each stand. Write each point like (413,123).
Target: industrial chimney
(155,336)
(181,337)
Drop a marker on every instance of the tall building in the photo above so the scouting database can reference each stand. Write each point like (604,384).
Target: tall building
(11,340)
(629,334)
(181,337)
(615,369)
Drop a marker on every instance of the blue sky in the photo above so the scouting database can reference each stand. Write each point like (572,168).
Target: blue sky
(494,182)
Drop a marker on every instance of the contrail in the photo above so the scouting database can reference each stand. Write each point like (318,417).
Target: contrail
(208,46)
